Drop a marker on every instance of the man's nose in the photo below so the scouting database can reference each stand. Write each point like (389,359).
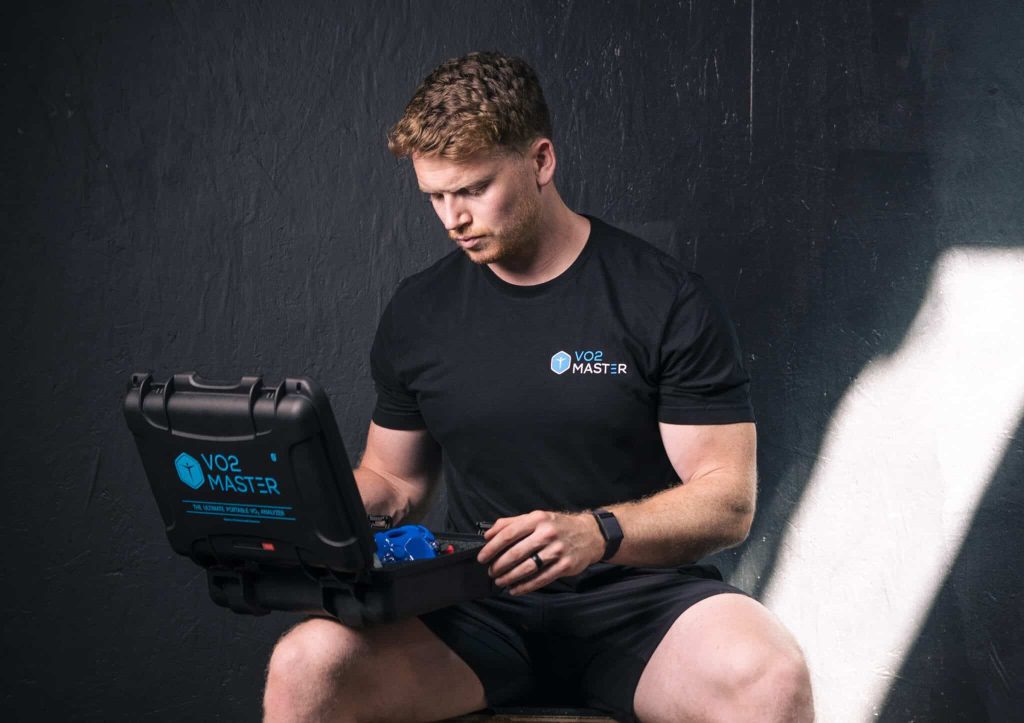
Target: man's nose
(454,214)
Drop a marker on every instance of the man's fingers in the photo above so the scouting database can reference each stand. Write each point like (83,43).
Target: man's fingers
(495,528)
(521,552)
(517,562)
(547,575)
(514,529)
(515,554)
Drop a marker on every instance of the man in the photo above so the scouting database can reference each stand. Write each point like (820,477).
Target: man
(589,398)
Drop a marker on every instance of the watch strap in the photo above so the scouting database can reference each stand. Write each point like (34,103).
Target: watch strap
(611,530)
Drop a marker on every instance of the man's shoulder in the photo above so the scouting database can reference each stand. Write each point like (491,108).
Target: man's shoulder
(633,257)
(423,284)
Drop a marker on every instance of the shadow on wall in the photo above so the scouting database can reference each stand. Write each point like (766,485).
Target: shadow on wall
(969,654)
(905,462)
(887,539)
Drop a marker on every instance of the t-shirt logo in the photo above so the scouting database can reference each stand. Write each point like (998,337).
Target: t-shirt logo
(560,362)
(589,361)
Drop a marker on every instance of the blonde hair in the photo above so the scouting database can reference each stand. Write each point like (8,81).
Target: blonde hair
(476,102)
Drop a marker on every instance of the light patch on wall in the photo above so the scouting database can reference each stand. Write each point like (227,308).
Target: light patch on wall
(906,459)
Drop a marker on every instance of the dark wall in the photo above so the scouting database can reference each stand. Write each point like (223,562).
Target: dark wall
(205,186)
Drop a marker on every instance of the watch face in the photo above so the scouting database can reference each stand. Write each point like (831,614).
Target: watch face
(610,528)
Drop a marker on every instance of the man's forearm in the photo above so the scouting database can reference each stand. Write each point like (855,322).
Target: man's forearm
(683,524)
(678,526)
(383,496)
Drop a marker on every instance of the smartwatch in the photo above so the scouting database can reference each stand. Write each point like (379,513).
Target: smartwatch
(611,530)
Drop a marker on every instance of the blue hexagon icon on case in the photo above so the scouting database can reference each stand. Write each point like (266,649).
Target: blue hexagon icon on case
(560,362)
(189,471)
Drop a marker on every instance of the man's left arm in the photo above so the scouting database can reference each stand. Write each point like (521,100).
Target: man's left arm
(712,509)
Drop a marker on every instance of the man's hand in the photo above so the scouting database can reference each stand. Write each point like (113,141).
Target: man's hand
(566,544)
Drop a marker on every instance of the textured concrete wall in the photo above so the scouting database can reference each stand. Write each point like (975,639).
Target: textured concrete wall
(205,186)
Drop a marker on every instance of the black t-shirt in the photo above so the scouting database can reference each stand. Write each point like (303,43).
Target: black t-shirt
(549,396)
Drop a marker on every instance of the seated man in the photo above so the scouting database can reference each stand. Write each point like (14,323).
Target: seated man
(589,397)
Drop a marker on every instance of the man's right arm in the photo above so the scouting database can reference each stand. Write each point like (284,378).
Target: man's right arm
(398,473)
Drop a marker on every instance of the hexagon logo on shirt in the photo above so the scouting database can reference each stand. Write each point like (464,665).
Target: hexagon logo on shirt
(189,471)
(560,362)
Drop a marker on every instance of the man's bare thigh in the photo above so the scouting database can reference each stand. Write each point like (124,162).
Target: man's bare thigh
(712,650)
(399,671)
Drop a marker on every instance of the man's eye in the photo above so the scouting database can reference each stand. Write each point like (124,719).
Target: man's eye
(477,191)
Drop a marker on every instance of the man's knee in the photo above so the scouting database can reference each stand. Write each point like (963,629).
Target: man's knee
(311,666)
(316,648)
(774,681)
(792,679)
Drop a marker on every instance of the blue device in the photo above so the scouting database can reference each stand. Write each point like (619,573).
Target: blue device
(408,542)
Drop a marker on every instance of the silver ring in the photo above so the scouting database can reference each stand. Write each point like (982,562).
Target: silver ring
(537,561)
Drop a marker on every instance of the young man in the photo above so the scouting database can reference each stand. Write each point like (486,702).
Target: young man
(589,398)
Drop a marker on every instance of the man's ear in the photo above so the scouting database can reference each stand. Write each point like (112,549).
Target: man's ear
(542,160)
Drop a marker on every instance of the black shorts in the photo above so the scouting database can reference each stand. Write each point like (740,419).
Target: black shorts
(579,642)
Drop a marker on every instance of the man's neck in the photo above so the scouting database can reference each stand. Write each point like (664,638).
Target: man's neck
(563,234)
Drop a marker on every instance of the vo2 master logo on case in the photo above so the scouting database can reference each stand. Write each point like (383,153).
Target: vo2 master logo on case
(189,471)
(218,467)
(589,361)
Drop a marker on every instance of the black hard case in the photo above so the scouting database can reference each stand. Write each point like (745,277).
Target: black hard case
(312,549)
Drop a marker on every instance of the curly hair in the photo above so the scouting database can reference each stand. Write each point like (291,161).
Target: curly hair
(479,101)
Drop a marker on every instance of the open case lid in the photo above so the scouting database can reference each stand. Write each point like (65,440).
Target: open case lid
(249,472)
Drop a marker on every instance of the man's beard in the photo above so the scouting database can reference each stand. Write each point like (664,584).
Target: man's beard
(517,240)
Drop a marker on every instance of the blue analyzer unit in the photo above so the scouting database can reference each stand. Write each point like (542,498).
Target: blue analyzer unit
(406,543)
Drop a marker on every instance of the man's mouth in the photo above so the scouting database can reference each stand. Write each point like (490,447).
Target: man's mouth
(468,242)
